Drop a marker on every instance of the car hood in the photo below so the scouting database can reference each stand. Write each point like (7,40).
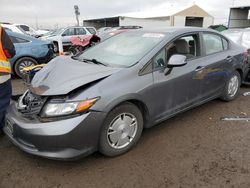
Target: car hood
(63,74)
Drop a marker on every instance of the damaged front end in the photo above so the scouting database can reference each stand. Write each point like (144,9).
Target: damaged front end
(30,104)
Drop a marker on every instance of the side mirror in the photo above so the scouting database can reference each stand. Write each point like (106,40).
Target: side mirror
(63,35)
(177,61)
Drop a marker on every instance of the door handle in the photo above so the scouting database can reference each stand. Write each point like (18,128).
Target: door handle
(229,58)
(200,68)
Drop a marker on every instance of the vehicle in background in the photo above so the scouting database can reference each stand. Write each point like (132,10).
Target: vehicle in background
(105,97)
(80,44)
(239,36)
(31,31)
(13,28)
(110,33)
(29,51)
(218,28)
(66,34)
(103,29)
(24,29)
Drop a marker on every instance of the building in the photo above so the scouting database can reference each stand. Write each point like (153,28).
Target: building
(192,16)
(239,17)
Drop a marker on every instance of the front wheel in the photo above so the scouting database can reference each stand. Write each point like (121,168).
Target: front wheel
(121,131)
(232,88)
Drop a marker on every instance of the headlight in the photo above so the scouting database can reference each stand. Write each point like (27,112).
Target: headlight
(67,108)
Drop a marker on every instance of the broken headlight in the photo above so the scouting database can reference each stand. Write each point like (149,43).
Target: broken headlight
(67,108)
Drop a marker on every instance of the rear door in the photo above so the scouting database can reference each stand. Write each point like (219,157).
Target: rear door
(214,64)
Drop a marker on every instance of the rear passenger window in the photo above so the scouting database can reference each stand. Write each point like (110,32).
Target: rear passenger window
(225,44)
(213,43)
(80,31)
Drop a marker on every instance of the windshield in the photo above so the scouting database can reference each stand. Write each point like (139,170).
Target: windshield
(233,35)
(123,50)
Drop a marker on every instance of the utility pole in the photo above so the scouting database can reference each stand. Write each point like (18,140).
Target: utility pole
(77,13)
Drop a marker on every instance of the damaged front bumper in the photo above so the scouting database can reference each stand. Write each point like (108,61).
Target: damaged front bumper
(62,139)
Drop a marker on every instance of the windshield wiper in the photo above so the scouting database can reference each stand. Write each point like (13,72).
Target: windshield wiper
(95,62)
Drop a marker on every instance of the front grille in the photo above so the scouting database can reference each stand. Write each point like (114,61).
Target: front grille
(30,104)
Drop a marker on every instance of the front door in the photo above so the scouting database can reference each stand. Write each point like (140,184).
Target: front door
(179,88)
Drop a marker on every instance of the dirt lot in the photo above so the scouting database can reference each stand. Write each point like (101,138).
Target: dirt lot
(194,149)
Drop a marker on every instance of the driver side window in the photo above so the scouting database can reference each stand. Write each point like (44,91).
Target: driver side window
(186,45)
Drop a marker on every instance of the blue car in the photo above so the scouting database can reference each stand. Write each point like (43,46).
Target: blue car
(29,51)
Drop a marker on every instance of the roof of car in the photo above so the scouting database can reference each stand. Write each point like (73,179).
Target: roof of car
(23,36)
(179,30)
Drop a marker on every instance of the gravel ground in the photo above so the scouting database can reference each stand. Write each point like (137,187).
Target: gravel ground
(194,149)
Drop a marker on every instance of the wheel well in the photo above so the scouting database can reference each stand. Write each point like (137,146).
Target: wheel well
(241,74)
(142,107)
(56,42)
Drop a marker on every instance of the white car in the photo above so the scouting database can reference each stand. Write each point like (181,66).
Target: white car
(239,36)
(24,29)
(31,31)
(13,28)
(67,33)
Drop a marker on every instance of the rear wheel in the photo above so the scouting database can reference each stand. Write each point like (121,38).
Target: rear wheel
(121,131)
(232,88)
(23,63)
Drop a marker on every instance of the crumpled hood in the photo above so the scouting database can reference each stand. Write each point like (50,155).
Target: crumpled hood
(63,74)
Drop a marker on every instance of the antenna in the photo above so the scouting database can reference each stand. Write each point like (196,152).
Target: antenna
(77,13)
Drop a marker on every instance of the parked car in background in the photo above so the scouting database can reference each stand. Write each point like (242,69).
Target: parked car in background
(239,36)
(103,98)
(116,31)
(67,33)
(103,29)
(13,28)
(31,31)
(218,28)
(29,51)
(110,33)
(24,29)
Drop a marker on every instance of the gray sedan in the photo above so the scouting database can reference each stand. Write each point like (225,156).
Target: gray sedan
(102,99)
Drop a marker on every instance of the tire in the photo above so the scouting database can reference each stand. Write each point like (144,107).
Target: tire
(22,63)
(116,136)
(231,94)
